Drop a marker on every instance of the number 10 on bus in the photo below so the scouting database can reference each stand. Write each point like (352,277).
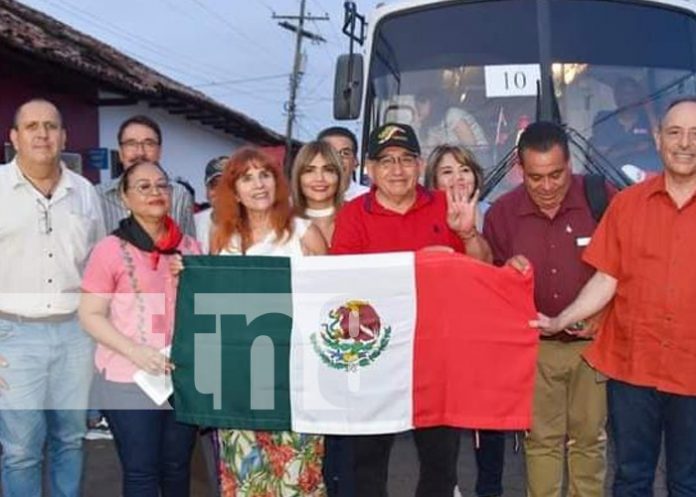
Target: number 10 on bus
(512,80)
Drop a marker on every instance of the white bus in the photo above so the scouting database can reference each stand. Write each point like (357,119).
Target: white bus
(475,72)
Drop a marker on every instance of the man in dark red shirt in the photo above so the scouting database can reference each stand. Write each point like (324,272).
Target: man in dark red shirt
(400,215)
(548,220)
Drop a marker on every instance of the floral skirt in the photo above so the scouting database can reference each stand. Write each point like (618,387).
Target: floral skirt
(270,464)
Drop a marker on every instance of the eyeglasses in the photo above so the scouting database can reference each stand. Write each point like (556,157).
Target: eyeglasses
(389,161)
(147,144)
(346,153)
(147,189)
(45,226)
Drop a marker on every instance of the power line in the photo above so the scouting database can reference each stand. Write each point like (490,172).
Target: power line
(337,37)
(300,33)
(243,80)
(241,34)
(118,32)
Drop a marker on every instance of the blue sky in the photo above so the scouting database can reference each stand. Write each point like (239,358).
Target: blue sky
(231,50)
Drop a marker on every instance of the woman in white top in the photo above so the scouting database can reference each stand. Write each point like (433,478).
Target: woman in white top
(254,213)
(254,217)
(316,181)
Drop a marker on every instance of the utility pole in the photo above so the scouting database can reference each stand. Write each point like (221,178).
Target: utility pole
(296,69)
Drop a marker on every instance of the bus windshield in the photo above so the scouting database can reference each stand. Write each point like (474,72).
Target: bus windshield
(467,73)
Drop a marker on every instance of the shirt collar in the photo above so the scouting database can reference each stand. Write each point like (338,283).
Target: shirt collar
(574,199)
(423,197)
(112,185)
(656,185)
(18,178)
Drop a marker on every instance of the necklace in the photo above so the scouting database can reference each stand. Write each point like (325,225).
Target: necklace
(314,213)
(46,193)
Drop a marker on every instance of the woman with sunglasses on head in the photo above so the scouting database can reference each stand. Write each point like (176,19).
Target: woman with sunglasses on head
(316,181)
(255,218)
(127,305)
(454,167)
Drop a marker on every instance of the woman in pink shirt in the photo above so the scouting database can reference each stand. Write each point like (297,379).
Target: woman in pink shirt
(127,305)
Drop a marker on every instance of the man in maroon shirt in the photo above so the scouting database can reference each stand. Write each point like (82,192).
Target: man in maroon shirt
(400,215)
(548,220)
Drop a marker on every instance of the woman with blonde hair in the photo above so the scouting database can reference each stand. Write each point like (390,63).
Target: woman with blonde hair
(452,166)
(316,179)
(254,217)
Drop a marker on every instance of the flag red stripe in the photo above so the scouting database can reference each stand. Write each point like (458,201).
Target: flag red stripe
(475,356)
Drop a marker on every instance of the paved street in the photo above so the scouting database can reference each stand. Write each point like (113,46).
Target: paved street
(102,476)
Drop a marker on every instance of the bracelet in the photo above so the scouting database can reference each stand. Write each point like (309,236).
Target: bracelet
(469,236)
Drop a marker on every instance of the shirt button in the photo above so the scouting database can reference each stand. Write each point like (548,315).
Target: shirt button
(553,245)
(48,306)
(50,254)
(554,270)
(50,280)
(555,295)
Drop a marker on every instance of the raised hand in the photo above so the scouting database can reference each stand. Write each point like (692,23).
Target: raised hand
(461,211)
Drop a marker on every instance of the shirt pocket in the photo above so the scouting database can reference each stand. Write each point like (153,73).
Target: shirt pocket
(82,234)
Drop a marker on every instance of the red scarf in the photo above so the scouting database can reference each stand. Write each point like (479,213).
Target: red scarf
(130,231)
(168,242)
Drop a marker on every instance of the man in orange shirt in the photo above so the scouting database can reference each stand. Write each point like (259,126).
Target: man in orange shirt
(643,253)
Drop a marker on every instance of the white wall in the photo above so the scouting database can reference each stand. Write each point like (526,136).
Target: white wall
(187,145)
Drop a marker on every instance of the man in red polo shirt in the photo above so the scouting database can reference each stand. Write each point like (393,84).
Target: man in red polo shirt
(548,220)
(643,252)
(400,215)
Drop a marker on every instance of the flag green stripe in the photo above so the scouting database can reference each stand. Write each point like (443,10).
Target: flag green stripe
(206,275)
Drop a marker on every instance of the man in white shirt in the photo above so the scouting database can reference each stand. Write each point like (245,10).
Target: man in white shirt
(50,218)
(343,141)
(204,218)
(140,139)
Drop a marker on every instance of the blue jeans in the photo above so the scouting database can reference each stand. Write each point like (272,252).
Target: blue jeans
(638,418)
(49,372)
(154,450)
(490,459)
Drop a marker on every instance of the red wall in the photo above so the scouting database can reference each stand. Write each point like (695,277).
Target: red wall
(76,99)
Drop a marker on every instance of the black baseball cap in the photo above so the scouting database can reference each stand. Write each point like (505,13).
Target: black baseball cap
(392,135)
(214,168)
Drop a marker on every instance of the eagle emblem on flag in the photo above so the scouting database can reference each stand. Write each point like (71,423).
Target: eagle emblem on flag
(352,337)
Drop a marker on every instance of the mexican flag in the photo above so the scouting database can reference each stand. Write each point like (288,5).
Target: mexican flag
(361,344)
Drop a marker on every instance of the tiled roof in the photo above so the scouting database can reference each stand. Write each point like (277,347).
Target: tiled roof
(36,35)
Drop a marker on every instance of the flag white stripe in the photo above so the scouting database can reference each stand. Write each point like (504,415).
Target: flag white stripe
(372,398)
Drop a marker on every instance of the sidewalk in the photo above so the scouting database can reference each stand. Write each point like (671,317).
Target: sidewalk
(102,472)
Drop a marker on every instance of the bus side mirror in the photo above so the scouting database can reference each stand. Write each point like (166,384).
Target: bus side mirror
(348,86)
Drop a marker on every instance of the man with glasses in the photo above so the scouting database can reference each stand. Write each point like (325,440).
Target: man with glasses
(140,139)
(50,218)
(400,215)
(343,141)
